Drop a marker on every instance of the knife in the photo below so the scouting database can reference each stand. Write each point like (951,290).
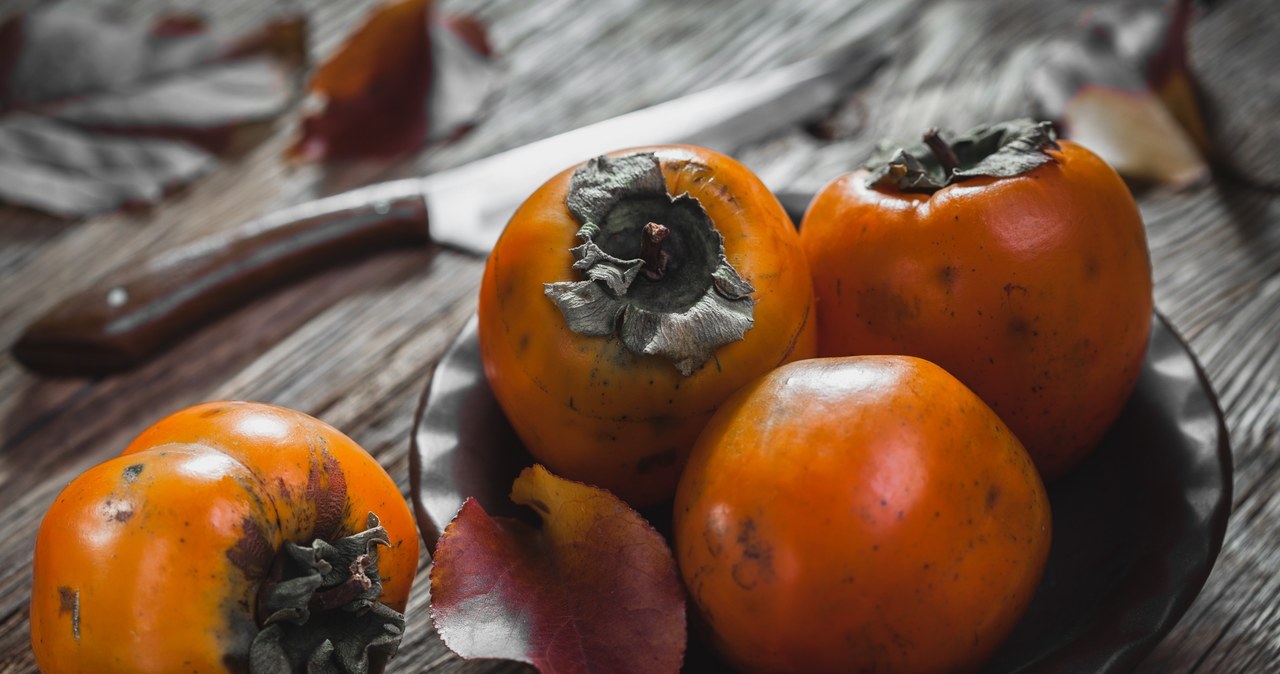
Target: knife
(134,313)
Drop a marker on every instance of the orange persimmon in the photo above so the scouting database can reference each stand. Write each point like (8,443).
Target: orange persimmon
(626,299)
(859,514)
(1019,264)
(192,550)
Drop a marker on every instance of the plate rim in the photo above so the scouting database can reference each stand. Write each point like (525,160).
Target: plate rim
(1127,654)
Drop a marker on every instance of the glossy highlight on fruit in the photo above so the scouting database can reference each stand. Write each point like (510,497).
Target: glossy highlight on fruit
(859,514)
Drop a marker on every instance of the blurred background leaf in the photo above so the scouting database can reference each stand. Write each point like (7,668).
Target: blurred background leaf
(98,111)
(404,78)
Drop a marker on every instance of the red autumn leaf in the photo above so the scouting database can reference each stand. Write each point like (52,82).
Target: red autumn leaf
(404,78)
(595,589)
(98,111)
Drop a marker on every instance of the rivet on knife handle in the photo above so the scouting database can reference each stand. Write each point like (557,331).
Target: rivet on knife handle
(135,313)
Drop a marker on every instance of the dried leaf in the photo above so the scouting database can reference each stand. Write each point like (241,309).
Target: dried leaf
(1121,88)
(98,111)
(999,150)
(403,78)
(595,589)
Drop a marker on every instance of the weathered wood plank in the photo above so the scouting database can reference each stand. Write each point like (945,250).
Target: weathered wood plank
(356,345)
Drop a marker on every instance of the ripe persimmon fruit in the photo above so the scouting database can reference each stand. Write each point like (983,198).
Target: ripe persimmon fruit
(859,514)
(626,299)
(227,537)
(1016,262)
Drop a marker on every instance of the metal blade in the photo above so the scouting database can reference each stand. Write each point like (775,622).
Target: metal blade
(469,205)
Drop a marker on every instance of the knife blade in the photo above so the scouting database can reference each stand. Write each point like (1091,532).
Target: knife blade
(132,314)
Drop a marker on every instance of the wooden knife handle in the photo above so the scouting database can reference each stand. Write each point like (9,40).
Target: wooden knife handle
(135,313)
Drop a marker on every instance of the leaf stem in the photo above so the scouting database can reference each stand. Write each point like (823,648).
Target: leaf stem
(942,150)
(655,259)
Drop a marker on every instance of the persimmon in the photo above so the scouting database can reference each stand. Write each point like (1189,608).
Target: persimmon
(1016,262)
(626,299)
(859,514)
(228,537)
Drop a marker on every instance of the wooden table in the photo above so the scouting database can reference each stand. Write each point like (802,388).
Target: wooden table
(355,346)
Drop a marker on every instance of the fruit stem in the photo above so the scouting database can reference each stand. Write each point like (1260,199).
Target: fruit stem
(942,150)
(306,606)
(655,259)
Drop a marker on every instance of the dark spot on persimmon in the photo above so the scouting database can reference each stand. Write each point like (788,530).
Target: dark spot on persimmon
(662,459)
(1011,288)
(117,511)
(283,488)
(132,472)
(947,276)
(883,305)
(757,557)
(69,602)
(540,506)
(1091,268)
(252,553)
(67,599)
(327,490)
(212,412)
(993,496)
(523,345)
(1018,327)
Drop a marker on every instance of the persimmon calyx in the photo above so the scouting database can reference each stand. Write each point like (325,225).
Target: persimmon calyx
(654,266)
(319,611)
(997,150)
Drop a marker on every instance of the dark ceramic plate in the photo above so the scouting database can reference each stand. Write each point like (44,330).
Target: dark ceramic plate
(1136,527)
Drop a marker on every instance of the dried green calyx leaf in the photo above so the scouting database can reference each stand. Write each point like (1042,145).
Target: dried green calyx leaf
(654,269)
(998,150)
(319,611)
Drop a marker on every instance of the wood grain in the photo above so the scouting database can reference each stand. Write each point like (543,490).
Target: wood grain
(356,345)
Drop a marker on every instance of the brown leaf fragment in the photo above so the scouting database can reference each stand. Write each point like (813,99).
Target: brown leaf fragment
(594,589)
(403,78)
(98,111)
(1121,87)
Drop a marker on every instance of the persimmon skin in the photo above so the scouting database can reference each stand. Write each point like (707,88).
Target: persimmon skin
(587,407)
(1034,290)
(152,560)
(860,514)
